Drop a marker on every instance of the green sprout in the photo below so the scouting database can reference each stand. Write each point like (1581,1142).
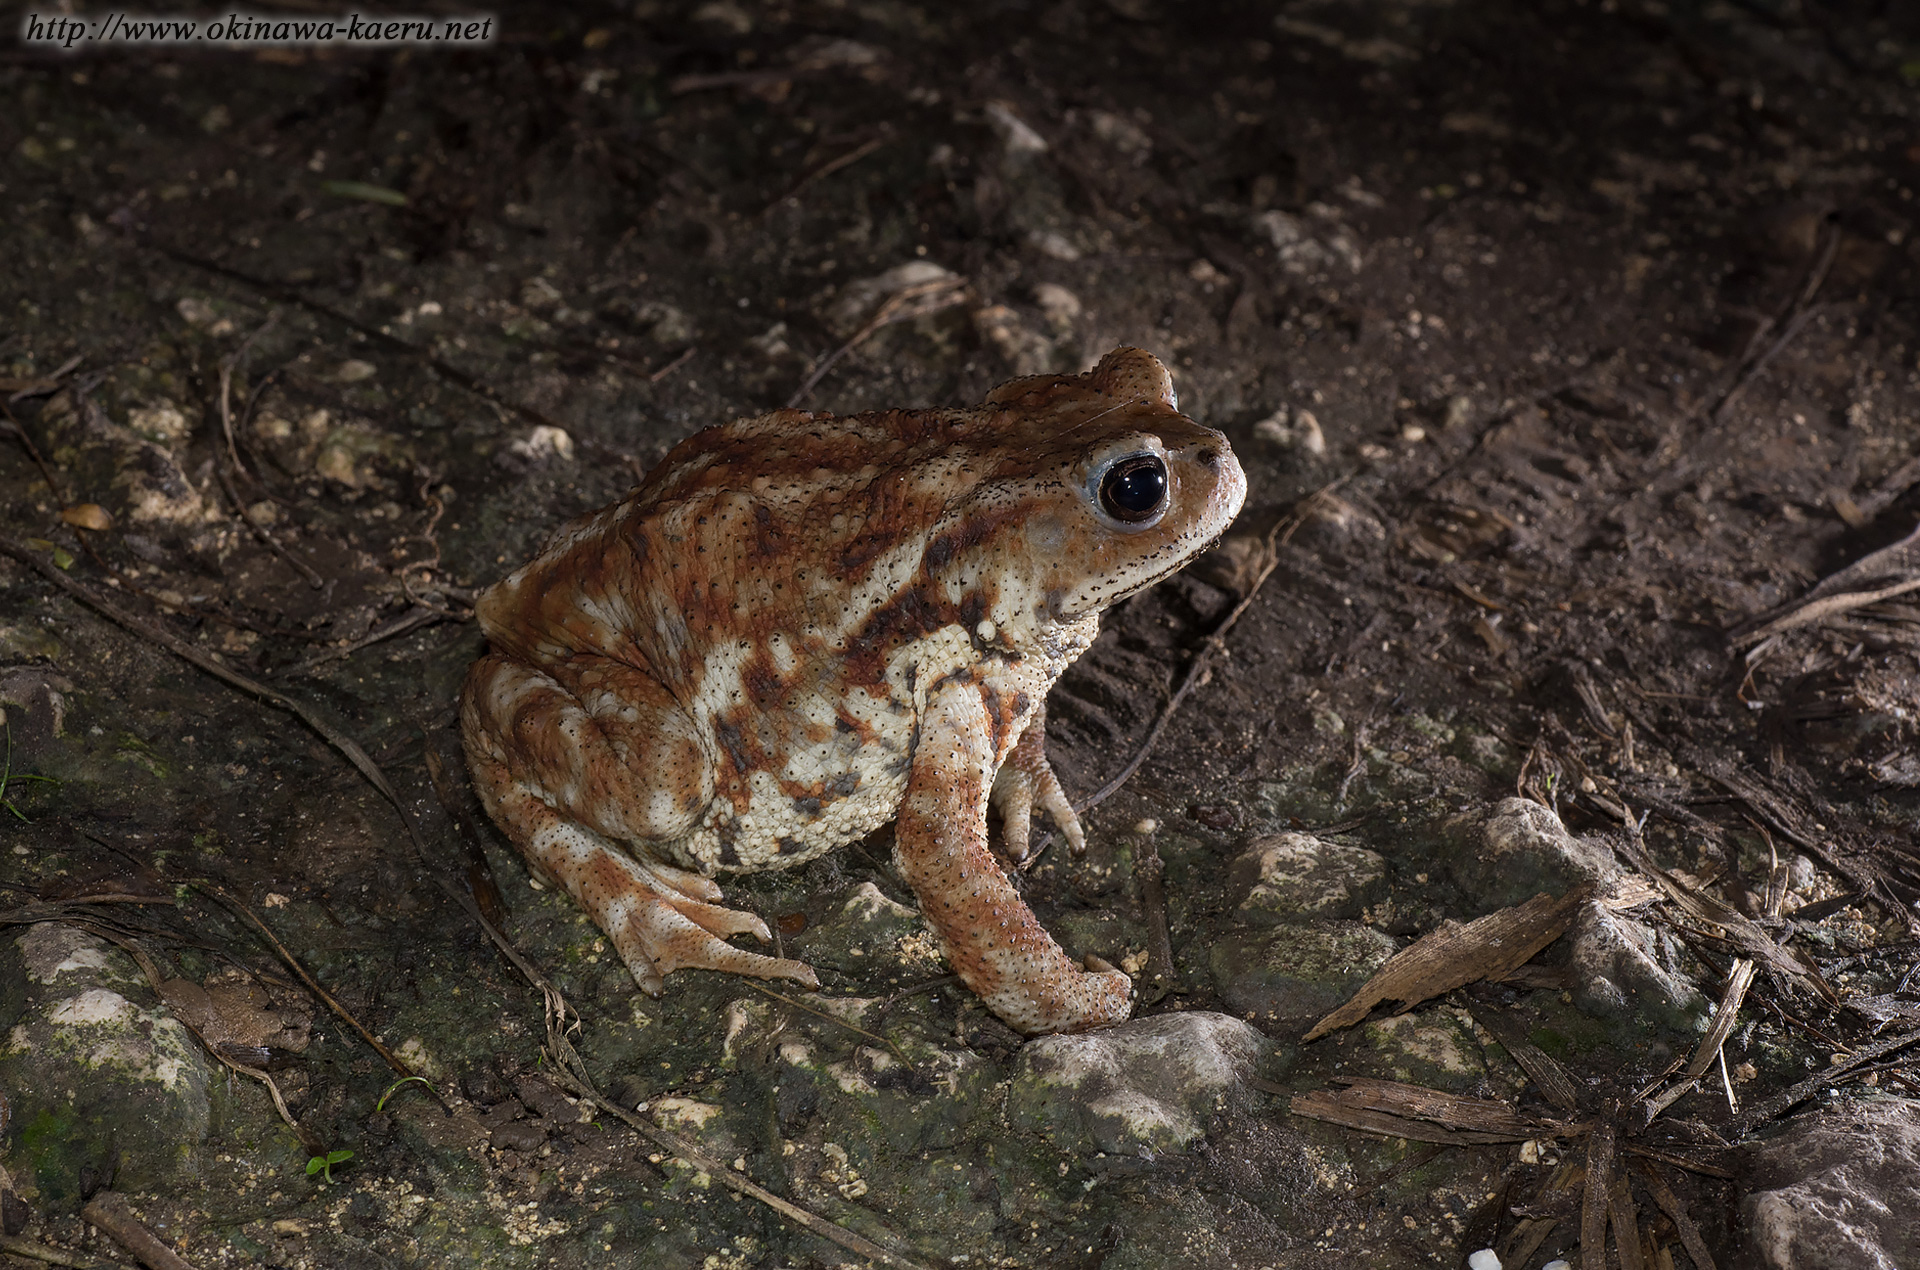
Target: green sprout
(324,1163)
(382,1104)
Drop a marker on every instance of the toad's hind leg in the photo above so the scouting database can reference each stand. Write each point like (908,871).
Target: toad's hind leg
(566,775)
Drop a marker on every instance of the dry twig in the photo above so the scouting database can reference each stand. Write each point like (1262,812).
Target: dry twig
(52,1256)
(1200,669)
(1150,871)
(260,531)
(108,1210)
(690,1151)
(913,301)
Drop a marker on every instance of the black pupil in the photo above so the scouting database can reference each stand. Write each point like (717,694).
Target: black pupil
(1135,488)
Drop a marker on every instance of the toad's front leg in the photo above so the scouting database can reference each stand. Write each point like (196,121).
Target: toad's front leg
(992,938)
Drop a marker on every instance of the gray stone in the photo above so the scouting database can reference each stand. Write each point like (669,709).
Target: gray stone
(1838,1190)
(1519,850)
(870,934)
(518,1135)
(1291,875)
(1435,1047)
(103,1082)
(1139,1088)
(1290,976)
(1616,971)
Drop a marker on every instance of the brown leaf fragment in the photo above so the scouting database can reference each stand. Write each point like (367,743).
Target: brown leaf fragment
(1750,938)
(1626,1223)
(1448,956)
(1542,1068)
(1690,1237)
(1415,1112)
(1593,1201)
(1879,575)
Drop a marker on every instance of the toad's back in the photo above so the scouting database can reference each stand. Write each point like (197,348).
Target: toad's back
(771,576)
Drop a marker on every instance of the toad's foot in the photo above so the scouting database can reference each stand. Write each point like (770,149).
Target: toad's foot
(660,919)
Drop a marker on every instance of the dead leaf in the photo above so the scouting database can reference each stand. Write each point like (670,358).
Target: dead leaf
(1443,959)
(1420,1114)
(87,516)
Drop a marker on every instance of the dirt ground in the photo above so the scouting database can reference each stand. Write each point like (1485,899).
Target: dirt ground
(1566,345)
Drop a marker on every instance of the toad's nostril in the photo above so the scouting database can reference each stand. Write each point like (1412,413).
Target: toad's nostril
(1208,458)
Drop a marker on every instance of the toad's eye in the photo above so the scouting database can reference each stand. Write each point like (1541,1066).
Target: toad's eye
(1134,489)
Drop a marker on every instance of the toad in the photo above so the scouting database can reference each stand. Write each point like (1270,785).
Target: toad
(801,626)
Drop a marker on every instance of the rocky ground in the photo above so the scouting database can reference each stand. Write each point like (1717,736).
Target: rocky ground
(1568,347)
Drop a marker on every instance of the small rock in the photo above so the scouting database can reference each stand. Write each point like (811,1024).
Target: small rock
(1435,1047)
(1014,132)
(1290,976)
(771,344)
(1122,133)
(1292,430)
(1139,1088)
(353,370)
(1292,875)
(1060,306)
(1616,972)
(1206,273)
(518,1135)
(1025,350)
(870,934)
(195,310)
(724,15)
(1303,248)
(353,453)
(538,293)
(542,446)
(161,423)
(1521,849)
(545,1101)
(14,1213)
(1054,244)
(1838,1189)
(100,1081)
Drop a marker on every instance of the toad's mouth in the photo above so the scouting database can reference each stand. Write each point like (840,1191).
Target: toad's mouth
(1063,606)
